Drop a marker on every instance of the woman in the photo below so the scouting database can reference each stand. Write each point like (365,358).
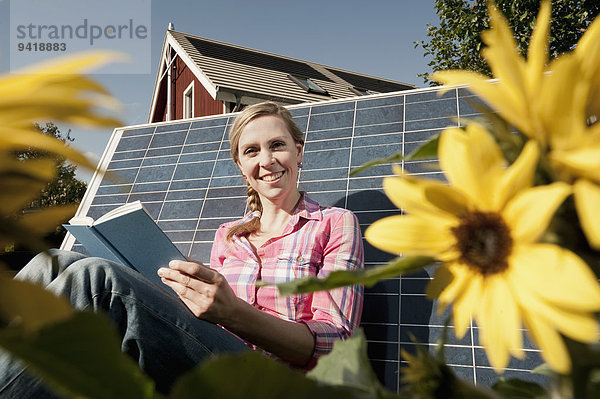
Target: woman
(285,236)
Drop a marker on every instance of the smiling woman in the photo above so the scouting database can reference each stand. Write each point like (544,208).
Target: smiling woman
(286,235)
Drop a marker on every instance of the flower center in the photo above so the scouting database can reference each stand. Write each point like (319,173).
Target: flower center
(484,242)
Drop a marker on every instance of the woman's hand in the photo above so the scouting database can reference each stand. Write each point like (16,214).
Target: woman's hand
(203,290)
(208,295)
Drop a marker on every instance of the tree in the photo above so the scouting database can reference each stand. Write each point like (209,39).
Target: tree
(63,190)
(456,42)
(66,188)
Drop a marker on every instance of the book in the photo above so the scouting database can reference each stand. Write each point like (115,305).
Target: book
(127,235)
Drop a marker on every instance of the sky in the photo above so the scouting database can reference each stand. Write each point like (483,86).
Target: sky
(373,37)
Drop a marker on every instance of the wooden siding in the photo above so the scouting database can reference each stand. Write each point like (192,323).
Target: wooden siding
(204,104)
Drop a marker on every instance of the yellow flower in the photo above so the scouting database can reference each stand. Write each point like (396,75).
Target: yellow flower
(56,91)
(485,228)
(557,108)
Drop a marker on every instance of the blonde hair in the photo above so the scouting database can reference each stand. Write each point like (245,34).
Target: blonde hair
(267,108)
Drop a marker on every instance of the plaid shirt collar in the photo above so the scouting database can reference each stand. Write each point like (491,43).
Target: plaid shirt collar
(307,208)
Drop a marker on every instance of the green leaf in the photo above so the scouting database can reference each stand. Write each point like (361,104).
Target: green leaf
(79,357)
(252,375)
(427,150)
(41,221)
(515,388)
(397,157)
(594,388)
(348,365)
(11,231)
(545,369)
(76,353)
(29,307)
(367,277)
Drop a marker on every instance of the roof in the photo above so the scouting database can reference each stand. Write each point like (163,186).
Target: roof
(227,69)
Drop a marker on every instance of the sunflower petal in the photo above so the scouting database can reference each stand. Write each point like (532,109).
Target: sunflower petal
(518,176)
(588,48)
(583,161)
(454,288)
(587,200)
(560,104)
(55,90)
(446,199)
(580,326)
(47,219)
(408,193)
(568,281)
(499,320)
(549,341)
(26,138)
(77,63)
(537,54)
(467,303)
(405,234)
(493,93)
(530,212)
(587,52)
(472,161)
(503,58)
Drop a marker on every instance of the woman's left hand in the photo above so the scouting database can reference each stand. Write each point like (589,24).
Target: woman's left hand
(203,290)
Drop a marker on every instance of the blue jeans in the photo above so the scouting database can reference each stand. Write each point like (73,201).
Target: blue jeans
(158,330)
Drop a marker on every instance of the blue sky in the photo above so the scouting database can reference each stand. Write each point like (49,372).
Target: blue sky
(372,37)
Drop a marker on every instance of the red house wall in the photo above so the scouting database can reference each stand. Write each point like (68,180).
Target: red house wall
(181,77)
(204,104)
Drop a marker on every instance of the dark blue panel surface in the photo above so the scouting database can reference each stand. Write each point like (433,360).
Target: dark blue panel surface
(137,132)
(380,309)
(205,135)
(155,173)
(168,139)
(331,120)
(165,160)
(128,163)
(323,109)
(134,143)
(186,209)
(173,127)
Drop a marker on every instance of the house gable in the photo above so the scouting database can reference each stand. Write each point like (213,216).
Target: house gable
(228,76)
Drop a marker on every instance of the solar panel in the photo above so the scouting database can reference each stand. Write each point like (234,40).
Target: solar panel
(367,82)
(255,58)
(183,173)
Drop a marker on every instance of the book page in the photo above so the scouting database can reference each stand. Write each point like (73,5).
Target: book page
(122,210)
(81,221)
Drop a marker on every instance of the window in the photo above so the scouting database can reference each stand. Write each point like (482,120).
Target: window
(308,85)
(360,91)
(188,101)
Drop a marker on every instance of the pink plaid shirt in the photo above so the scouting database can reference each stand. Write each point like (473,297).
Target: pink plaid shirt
(316,241)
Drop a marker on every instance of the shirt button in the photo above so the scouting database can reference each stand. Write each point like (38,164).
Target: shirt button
(300,258)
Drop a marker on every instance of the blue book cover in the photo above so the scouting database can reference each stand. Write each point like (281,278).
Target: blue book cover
(127,235)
